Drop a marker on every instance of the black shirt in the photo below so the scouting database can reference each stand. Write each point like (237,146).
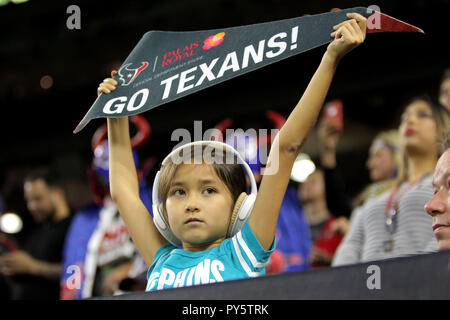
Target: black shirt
(44,243)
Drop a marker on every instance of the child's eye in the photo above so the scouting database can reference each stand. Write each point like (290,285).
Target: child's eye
(178,192)
(209,191)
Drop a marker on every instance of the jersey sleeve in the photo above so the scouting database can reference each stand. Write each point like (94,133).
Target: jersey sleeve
(251,255)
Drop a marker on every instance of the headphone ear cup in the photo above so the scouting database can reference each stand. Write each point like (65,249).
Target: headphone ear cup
(158,218)
(241,212)
(163,226)
(235,213)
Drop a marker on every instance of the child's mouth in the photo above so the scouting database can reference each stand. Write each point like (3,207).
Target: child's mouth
(193,220)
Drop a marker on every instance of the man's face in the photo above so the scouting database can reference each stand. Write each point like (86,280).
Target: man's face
(39,198)
(439,206)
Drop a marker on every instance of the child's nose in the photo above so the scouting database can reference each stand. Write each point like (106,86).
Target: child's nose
(192,204)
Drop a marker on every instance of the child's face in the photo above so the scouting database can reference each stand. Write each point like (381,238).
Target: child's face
(198,206)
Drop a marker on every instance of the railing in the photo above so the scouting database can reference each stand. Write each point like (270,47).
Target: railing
(425,276)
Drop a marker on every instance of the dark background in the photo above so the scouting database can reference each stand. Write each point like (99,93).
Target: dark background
(374,81)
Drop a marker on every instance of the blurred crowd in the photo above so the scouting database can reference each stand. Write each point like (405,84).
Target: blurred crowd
(83,253)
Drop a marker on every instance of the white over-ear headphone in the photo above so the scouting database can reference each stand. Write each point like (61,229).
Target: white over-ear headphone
(242,211)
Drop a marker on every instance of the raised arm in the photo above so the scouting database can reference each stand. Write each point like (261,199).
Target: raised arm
(287,145)
(124,185)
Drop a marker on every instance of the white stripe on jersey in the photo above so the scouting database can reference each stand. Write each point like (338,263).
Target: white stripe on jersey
(249,253)
(242,261)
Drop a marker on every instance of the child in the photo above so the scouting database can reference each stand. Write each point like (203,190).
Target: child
(197,200)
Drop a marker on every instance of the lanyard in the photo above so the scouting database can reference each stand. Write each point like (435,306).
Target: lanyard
(391,211)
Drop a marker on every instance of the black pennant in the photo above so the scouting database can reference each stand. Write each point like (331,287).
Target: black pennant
(165,66)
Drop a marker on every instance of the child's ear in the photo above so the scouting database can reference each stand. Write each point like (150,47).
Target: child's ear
(234,213)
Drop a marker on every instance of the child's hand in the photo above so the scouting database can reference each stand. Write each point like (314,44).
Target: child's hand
(347,35)
(108,85)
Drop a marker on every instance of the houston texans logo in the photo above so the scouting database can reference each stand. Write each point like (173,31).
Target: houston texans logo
(127,75)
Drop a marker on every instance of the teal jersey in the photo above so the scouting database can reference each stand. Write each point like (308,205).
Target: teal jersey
(241,256)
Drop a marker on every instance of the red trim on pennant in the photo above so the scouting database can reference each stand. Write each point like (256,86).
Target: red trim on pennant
(380,22)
